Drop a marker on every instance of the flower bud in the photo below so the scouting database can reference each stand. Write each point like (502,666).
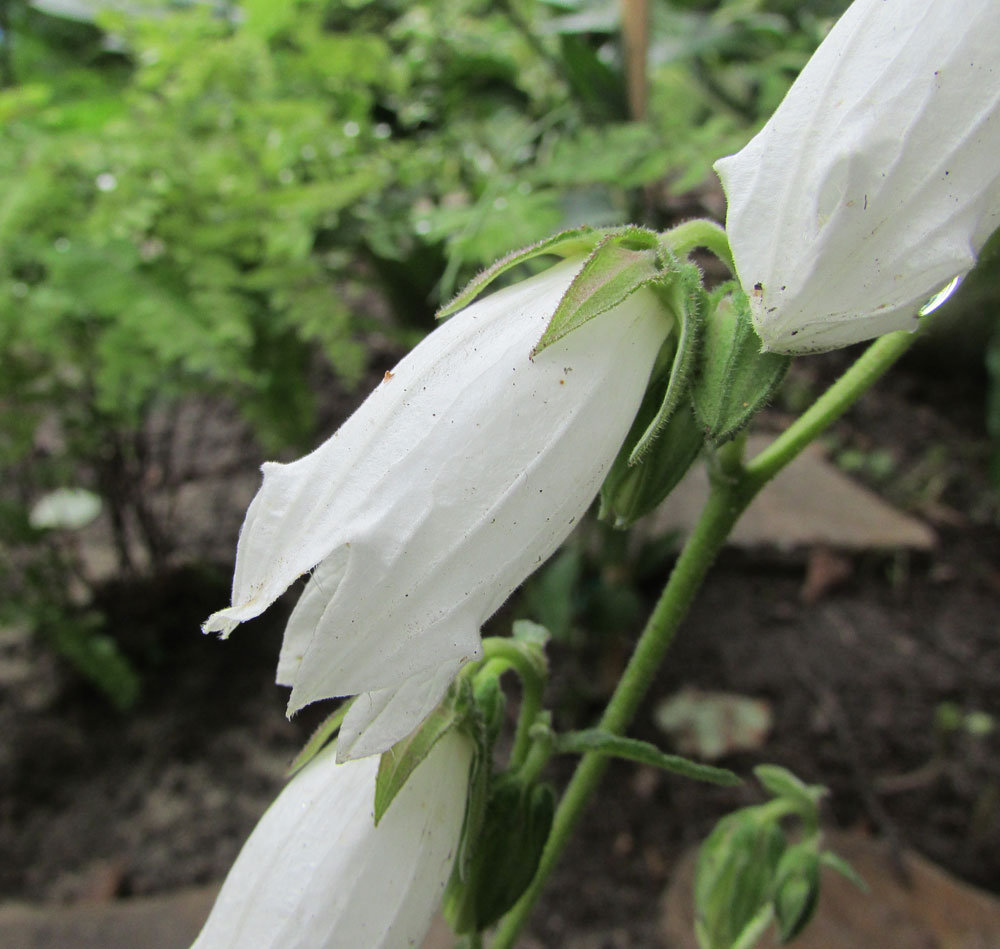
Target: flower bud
(734,875)
(876,181)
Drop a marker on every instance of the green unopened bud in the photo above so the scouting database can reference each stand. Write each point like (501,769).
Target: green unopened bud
(736,378)
(735,876)
(796,889)
(505,855)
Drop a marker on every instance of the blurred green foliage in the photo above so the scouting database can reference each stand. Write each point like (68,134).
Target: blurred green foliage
(207,200)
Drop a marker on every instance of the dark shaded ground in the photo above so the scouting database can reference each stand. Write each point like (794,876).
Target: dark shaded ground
(95,805)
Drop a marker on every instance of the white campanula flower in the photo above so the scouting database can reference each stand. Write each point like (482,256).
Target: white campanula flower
(462,472)
(877,180)
(316,873)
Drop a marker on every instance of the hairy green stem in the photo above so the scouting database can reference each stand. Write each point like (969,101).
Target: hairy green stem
(733,487)
(869,367)
(699,232)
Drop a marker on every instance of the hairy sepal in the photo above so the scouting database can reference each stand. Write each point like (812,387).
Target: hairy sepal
(576,242)
(623,262)
(685,299)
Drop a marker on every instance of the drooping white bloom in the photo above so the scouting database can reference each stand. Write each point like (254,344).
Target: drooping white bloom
(877,180)
(457,477)
(316,873)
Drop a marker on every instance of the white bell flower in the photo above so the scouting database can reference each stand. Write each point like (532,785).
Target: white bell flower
(877,180)
(316,873)
(462,472)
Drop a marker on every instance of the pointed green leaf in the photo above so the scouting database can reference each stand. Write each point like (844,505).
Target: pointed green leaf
(622,263)
(575,242)
(736,379)
(594,740)
(318,739)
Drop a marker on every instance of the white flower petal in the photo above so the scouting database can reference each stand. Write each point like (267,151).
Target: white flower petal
(317,874)
(307,613)
(377,720)
(876,181)
(457,477)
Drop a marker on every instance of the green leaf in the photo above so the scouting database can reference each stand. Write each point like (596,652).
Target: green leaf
(594,740)
(599,88)
(622,263)
(97,656)
(736,379)
(572,243)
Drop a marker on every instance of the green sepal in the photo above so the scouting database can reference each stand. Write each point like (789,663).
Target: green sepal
(751,934)
(402,759)
(684,297)
(532,634)
(783,784)
(575,242)
(475,813)
(593,740)
(483,721)
(624,261)
(632,491)
(506,854)
(734,877)
(318,739)
(837,863)
(735,378)
(665,438)
(796,889)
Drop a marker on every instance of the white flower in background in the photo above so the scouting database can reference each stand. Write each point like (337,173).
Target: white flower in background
(316,873)
(457,477)
(877,180)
